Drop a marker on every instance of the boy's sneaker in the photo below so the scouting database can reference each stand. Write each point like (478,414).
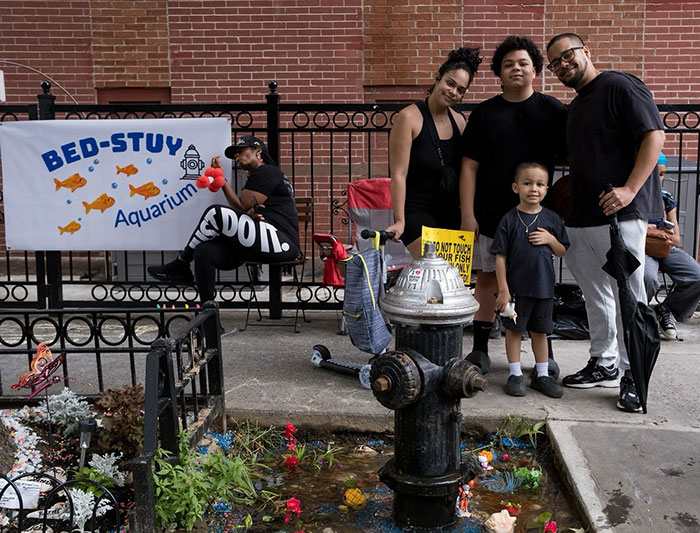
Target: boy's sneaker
(629,401)
(593,375)
(667,323)
(515,386)
(174,272)
(547,386)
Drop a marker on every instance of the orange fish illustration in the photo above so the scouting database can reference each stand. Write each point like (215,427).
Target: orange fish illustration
(102,202)
(129,170)
(74,182)
(146,190)
(71,227)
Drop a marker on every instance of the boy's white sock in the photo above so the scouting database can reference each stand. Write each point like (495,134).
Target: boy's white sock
(515,369)
(542,369)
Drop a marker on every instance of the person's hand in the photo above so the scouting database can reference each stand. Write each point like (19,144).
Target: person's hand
(469,223)
(216,162)
(397,228)
(616,199)
(540,237)
(256,212)
(502,299)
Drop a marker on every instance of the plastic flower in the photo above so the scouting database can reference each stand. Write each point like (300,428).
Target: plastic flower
(293,505)
(506,457)
(292,446)
(550,526)
(291,461)
(289,431)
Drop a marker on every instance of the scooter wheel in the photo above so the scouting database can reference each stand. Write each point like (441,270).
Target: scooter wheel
(320,353)
(363,375)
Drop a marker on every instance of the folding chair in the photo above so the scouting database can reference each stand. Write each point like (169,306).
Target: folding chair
(304,213)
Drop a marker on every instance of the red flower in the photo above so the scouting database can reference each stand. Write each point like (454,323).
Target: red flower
(293,505)
(286,518)
(506,456)
(289,431)
(292,446)
(291,461)
(550,526)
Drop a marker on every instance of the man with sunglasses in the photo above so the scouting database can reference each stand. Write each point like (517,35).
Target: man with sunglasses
(614,135)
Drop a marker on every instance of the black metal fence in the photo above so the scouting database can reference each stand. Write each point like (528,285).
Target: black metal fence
(322,147)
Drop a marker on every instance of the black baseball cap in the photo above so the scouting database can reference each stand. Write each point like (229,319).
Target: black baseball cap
(244,142)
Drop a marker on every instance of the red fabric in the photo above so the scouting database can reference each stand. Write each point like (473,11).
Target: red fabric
(371,193)
(331,272)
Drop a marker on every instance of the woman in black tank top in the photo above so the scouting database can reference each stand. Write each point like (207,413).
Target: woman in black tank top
(414,160)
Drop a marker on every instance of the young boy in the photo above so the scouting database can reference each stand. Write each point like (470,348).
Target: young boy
(525,240)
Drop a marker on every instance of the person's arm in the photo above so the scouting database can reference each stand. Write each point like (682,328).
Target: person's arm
(647,157)
(467,186)
(503,297)
(400,140)
(541,236)
(674,233)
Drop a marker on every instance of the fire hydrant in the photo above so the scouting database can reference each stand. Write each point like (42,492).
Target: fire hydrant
(423,380)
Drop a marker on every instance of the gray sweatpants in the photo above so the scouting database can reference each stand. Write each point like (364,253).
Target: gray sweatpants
(585,258)
(685,273)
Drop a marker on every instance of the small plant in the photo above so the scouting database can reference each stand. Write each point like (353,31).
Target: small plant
(65,409)
(83,508)
(544,524)
(184,491)
(122,420)
(327,458)
(103,470)
(529,477)
(250,438)
(517,427)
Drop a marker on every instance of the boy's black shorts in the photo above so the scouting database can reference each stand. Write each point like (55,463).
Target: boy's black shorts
(534,314)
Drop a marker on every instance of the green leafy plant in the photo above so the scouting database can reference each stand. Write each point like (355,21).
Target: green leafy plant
(529,477)
(185,490)
(122,420)
(515,426)
(250,438)
(327,458)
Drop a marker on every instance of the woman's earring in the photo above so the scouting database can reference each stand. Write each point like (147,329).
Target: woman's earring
(260,159)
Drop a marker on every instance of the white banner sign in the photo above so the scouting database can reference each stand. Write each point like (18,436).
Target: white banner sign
(108,184)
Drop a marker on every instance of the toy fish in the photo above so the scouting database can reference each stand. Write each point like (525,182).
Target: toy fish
(129,170)
(146,190)
(102,202)
(74,182)
(71,228)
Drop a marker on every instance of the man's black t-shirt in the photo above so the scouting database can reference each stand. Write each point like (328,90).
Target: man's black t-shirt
(604,128)
(529,268)
(499,136)
(280,207)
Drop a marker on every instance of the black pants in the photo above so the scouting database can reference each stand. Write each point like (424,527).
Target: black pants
(225,238)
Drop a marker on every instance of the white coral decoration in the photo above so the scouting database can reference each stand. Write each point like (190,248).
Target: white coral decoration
(83,505)
(500,522)
(106,464)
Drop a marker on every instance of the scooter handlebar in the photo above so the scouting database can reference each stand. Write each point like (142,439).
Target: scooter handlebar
(383,235)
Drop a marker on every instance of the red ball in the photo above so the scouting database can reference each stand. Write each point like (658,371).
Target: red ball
(202,182)
(217,172)
(209,171)
(219,181)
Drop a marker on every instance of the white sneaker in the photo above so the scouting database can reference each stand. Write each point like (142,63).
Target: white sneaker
(667,323)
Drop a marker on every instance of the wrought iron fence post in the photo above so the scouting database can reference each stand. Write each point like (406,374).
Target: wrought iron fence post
(273,146)
(52,285)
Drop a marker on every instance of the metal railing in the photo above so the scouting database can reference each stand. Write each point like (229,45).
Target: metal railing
(322,147)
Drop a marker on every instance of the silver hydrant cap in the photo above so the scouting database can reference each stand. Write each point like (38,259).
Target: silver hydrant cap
(429,291)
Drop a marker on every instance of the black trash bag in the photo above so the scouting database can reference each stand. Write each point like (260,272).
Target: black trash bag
(568,300)
(570,327)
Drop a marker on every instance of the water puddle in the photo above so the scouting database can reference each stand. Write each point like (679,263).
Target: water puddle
(320,490)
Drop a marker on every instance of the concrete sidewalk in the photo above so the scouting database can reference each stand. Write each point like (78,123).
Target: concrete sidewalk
(630,472)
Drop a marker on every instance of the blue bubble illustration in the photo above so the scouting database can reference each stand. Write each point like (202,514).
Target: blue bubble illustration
(149,160)
(69,201)
(91,169)
(96,161)
(114,185)
(164,181)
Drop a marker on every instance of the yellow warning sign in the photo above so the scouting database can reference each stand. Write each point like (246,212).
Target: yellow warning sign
(454,246)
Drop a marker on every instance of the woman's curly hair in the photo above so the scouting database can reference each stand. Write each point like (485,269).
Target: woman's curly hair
(517,42)
(465,58)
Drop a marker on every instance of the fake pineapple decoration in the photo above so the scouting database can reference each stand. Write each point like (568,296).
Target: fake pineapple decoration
(354,498)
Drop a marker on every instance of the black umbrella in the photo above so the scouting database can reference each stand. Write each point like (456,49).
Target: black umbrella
(641,333)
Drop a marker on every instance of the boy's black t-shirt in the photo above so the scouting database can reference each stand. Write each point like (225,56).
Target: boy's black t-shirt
(499,136)
(529,268)
(280,207)
(603,133)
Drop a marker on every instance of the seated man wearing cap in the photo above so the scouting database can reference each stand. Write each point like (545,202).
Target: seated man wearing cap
(261,225)
(682,300)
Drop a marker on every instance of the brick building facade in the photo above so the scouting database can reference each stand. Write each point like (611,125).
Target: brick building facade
(342,51)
